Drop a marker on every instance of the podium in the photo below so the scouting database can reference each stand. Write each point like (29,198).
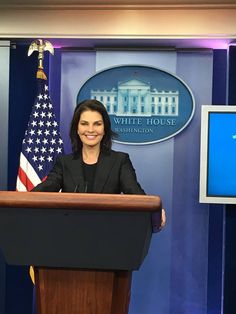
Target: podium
(84,246)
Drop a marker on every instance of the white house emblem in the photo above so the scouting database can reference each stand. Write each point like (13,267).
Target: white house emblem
(149,108)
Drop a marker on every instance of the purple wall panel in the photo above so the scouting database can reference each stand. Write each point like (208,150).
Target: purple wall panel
(174,275)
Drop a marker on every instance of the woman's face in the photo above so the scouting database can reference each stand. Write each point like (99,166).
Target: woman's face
(91,128)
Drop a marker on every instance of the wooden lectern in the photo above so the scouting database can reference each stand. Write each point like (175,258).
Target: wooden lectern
(84,246)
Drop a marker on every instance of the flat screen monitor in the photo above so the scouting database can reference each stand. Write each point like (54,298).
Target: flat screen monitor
(218,155)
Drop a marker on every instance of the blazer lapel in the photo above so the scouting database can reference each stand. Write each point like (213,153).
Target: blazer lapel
(104,166)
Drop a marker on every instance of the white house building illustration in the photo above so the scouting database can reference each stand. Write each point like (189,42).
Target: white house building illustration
(135,97)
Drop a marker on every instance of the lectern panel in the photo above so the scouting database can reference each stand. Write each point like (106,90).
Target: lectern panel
(75,238)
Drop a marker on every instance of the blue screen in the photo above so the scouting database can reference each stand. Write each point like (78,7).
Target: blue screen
(222,154)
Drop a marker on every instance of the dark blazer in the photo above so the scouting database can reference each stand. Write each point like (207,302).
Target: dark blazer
(114,175)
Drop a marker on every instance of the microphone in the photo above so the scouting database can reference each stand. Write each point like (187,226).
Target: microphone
(85,187)
(76,189)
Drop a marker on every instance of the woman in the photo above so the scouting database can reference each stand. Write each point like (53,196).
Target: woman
(93,166)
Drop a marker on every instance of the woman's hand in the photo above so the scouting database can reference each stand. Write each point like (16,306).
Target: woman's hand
(163,219)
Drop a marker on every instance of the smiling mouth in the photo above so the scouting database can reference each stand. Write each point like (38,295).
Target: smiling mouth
(90,137)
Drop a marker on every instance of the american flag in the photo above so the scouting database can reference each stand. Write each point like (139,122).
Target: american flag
(42,142)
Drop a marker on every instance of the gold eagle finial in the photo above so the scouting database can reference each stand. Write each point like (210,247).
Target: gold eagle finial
(40,46)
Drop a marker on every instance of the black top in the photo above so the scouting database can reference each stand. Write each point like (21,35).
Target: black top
(89,175)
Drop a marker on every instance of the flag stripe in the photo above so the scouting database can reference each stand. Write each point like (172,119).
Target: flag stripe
(20,187)
(28,170)
(25,179)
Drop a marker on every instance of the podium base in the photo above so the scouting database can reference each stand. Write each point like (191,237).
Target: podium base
(76,291)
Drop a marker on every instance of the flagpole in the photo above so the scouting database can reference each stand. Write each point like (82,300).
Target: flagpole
(42,143)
